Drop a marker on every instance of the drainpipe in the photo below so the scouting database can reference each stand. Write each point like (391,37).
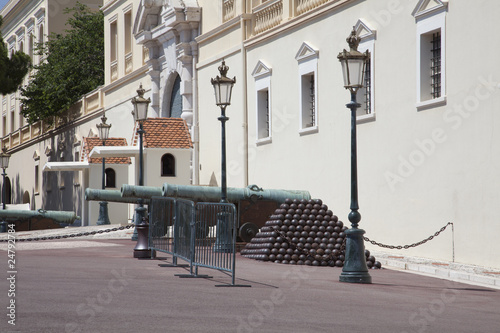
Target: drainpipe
(195,127)
(244,17)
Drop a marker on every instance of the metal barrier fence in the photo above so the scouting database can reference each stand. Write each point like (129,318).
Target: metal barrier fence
(215,230)
(203,234)
(161,226)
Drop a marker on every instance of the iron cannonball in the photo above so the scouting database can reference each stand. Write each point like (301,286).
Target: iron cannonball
(328,251)
(344,228)
(277,261)
(285,262)
(302,239)
(274,250)
(338,246)
(296,234)
(329,212)
(309,206)
(310,223)
(307,228)
(327,234)
(302,257)
(309,240)
(284,206)
(317,240)
(292,262)
(279,223)
(312,252)
(369,264)
(287,257)
(335,218)
(322,228)
(299,228)
(290,211)
(287,220)
(304,216)
(300,262)
(296,217)
(324,207)
(342,257)
(288,201)
(300,245)
(272,257)
(320,234)
(277,245)
(314,211)
(307,246)
(279,240)
(314,246)
(314,228)
(331,263)
(332,240)
(304,233)
(337,229)
(295,257)
(371,258)
(315,263)
(320,251)
(279,257)
(335,234)
(282,250)
(312,217)
(336,252)
(339,263)
(284,228)
(295,201)
(342,234)
(312,234)
(367,253)
(316,207)
(323,245)
(284,245)
(327,218)
(291,227)
(293,205)
(377,264)
(340,224)
(301,205)
(340,240)
(297,251)
(318,201)
(307,262)
(306,211)
(317,223)
(302,222)
(318,258)
(289,234)
(330,229)
(322,211)
(303,201)
(289,251)
(299,211)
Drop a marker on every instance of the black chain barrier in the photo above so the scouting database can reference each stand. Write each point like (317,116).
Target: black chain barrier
(81,234)
(399,247)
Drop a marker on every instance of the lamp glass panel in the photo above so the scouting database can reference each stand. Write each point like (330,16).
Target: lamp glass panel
(356,71)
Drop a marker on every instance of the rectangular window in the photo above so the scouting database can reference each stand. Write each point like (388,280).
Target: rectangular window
(436,65)
(128,32)
(4,125)
(308,92)
(37,180)
(431,54)
(113,31)
(263,127)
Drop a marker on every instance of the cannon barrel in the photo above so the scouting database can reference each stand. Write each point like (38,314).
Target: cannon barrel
(58,216)
(210,194)
(206,193)
(110,196)
(140,191)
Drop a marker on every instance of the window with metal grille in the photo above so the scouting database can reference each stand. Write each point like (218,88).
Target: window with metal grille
(308,101)
(367,85)
(263,114)
(436,65)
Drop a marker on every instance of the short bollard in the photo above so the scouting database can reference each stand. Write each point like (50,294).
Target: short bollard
(142,250)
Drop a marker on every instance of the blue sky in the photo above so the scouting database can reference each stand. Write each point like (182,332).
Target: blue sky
(3,3)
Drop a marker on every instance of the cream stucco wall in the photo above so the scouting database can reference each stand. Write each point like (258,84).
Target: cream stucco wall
(418,168)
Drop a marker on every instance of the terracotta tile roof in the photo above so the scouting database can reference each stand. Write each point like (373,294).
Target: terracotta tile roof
(89,143)
(164,133)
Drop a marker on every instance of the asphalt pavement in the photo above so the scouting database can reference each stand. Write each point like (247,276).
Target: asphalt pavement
(95,285)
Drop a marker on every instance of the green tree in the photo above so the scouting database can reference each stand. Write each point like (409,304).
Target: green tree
(12,69)
(73,65)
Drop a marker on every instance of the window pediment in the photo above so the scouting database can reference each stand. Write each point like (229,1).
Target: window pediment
(364,30)
(426,7)
(261,70)
(306,51)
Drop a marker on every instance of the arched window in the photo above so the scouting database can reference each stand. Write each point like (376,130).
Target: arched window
(168,165)
(176,99)
(110,180)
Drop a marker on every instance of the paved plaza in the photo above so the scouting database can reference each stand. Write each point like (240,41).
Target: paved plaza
(95,285)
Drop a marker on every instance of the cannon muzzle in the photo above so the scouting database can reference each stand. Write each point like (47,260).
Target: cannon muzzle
(57,216)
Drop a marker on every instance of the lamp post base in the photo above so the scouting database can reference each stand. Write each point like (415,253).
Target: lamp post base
(103,213)
(355,269)
(141,249)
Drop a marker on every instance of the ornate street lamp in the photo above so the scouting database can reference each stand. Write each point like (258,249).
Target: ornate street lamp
(223,87)
(103,129)
(141,230)
(353,68)
(4,164)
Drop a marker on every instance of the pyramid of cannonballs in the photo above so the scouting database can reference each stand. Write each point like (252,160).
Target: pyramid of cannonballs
(302,232)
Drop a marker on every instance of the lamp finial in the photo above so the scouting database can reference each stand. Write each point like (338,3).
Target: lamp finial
(353,40)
